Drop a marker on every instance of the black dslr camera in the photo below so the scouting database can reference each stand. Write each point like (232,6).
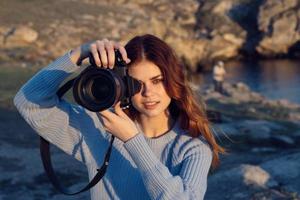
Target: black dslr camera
(98,89)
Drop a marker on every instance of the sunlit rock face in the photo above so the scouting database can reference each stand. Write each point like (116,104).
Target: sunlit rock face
(279,23)
(199,31)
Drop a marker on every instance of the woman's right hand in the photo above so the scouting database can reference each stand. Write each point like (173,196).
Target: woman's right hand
(102,51)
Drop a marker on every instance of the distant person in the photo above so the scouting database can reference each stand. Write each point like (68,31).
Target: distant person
(164,146)
(218,76)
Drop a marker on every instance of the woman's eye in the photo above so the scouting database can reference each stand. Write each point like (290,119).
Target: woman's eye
(156,81)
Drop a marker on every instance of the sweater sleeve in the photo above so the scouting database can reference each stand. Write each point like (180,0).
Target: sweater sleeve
(191,183)
(59,122)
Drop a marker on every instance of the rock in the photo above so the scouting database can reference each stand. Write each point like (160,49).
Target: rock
(224,47)
(233,39)
(241,92)
(256,134)
(251,110)
(254,175)
(88,17)
(256,97)
(223,36)
(222,8)
(191,51)
(282,141)
(275,194)
(241,87)
(278,21)
(254,123)
(257,131)
(225,130)
(297,134)
(213,94)
(243,180)
(217,18)
(199,31)
(18,36)
(285,171)
(269,9)
(287,104)
(263,150)
(239,100)
(280,176)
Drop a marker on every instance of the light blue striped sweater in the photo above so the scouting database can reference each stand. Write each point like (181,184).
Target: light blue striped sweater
(172,166)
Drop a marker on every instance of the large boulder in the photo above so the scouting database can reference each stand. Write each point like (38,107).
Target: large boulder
(244,181)
(239,100)
(285,170)
(224,37)
(277,179)
(17,36)
(279,23)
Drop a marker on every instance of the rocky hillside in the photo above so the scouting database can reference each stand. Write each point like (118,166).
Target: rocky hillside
(200,31)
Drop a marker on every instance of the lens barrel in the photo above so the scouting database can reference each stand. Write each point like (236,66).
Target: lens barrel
(98,89)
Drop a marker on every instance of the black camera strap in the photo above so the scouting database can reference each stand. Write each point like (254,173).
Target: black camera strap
(46,158)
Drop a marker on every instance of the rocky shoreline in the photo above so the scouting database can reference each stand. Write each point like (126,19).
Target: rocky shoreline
(261,137)
(199,31)
(262,162)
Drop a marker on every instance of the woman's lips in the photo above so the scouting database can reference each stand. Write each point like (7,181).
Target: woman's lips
(150,105)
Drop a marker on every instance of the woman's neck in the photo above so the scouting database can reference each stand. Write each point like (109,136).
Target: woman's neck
(155,126)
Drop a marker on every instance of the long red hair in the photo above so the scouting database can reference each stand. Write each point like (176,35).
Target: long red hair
(184,106)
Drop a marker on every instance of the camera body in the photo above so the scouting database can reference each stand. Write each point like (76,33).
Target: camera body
(98,89)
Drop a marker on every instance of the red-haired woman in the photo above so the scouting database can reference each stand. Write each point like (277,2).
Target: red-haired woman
(164,147)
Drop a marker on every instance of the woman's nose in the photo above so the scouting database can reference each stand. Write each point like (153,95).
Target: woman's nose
(147,90)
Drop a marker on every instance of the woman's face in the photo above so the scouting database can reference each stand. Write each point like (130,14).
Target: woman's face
(152,100)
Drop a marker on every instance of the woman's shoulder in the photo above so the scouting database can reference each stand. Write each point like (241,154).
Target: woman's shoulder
(183,136)
(187,145)
(186,140)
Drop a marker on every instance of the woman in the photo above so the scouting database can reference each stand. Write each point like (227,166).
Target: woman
(164,147)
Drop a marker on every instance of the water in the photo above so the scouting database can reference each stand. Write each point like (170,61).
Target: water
(275,79)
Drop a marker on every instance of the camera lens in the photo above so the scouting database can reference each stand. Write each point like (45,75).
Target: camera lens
(98,89)
(101,88)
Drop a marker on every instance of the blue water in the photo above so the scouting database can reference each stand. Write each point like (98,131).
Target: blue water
(275,79)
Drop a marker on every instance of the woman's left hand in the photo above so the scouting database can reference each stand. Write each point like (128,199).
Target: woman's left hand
(118,123)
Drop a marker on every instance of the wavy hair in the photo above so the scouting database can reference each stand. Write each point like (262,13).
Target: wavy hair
(184,106)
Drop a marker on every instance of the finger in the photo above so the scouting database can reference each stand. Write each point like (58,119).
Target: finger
(102,52)
(110,53)
(122,51)
(94,52)
(119,111)
(108,115)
